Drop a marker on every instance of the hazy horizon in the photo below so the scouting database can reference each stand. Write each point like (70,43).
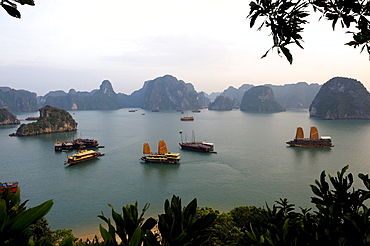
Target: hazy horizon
(66,44)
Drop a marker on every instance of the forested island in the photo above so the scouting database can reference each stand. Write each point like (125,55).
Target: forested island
(7,118)
(51,120)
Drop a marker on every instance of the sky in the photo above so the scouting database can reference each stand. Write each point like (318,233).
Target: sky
(60,45)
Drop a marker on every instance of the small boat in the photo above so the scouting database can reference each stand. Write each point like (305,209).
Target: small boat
(313,141)
(132,110)
(32,118)
(82,155)
(78,143)
(60,146)
(12,186)
(187,118)
(197,146)
(155,110)
(81,143)
(196,111)
(163,156)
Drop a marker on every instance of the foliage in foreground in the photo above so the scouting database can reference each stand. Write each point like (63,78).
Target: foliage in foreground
(341,217)
(15,218)
(286,20)
(10,6)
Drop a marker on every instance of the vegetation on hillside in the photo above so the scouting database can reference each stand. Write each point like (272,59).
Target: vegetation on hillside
(221,103)
(51,120)
(18,100)
(7,118)
(260,99)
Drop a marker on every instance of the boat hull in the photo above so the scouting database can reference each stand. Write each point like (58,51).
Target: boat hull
(197,147)
(312,143)
(169,158)
(78,143)
(167,161)
(82,156)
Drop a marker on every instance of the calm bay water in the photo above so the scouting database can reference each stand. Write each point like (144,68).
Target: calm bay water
(253,164)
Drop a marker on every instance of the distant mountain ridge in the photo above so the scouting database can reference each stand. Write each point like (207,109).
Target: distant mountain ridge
(164,93)
(18,100)
(298,95)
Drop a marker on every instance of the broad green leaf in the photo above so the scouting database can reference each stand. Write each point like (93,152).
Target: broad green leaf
(105,235)
(30,216)
(136,237)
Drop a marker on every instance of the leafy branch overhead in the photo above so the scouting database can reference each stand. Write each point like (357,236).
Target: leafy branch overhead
(286,18)
(10,6)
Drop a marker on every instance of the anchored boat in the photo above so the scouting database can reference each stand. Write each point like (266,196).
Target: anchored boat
(187,118)
(196,145)
(163,156)
(314,140)
(78,143)
(12,186)
(82,155)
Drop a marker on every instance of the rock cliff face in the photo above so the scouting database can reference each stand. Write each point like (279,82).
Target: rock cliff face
(341,98)
(18,100)
(166,93)
(260,98)
(7,118)
(51,120)
(104,98)
(221,103)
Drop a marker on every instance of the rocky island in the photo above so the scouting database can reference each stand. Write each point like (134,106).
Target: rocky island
(341,98)
(260,98)
(221,103)
(7,118)
(51,120)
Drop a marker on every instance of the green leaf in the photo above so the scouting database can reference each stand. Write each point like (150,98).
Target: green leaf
(136,237)
(105,235)
(31,215)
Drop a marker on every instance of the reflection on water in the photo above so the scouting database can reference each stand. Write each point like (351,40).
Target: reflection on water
(308,155)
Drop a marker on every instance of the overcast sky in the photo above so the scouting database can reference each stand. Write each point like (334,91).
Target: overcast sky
(59,45)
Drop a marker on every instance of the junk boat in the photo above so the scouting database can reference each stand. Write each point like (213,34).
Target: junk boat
(82,155)
(197,145)
(313,141)
(187,118)
(163,156)
(12,186)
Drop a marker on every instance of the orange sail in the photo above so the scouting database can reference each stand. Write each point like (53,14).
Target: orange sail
(314,133)
(299,133)
(146,149)
(162,148)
